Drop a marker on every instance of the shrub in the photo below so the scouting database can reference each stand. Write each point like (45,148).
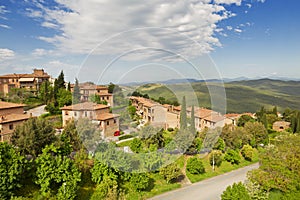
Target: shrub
(195,166)
(232,156)
(217,157)
(170,172)
(247,152)
(139,181)
(236,192)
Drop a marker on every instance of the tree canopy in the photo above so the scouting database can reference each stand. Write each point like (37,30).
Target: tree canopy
(33,135)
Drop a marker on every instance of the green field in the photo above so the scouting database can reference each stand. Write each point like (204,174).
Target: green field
(241,96)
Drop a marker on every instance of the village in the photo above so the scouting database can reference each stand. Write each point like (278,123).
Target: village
(148,111)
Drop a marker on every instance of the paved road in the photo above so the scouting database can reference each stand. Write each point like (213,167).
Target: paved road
(38,111)
(209,189)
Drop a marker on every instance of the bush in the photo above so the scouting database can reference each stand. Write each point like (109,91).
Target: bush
(170,172)
(136,145)
(123,137)
(217,156)
(139,181)
(195,166)
(247,152)
(236,192)
(232,156)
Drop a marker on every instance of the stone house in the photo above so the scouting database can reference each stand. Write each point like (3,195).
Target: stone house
(97,113)
(31,82)
(11,115)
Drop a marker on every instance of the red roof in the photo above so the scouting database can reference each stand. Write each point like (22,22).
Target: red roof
(6,105)
(85,106)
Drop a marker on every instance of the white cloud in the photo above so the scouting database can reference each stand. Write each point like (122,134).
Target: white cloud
(229,28)
(3,10)
(237,2)
(237,30)
(83,24)
(41,52)
(6,54)
(5,26)
(249,5)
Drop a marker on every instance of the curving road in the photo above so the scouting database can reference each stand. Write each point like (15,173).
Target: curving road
(209,189)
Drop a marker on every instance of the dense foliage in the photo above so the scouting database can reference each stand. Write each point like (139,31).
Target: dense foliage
(195,166)
(11,169)
(33,135)
(236,192)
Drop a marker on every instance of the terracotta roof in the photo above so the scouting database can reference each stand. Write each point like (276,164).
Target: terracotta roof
(281,123)
(45,75)
(203,112)
(5,105)
(85,106)
(214,118)
(106,116)
(144,101)
(232,115)
(13,118)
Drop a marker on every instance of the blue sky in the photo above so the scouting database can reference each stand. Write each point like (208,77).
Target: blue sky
(125,41)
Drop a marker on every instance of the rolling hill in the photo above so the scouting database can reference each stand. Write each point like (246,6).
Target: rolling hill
(241,96)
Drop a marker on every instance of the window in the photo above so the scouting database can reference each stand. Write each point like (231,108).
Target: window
(107,123)
(75,114)
(85,114)
(115,121)
(11,127)
(66,113)
(107,98)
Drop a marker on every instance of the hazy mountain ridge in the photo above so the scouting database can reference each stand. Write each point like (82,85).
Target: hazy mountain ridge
(241,96)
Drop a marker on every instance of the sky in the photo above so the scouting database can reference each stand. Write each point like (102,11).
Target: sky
(130,41)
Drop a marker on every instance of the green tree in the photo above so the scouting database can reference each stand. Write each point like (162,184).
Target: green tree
(132,111)
(33,135)
(192,125)
(100,171)
(76,92)
(107,189)
(220,145)
(70,134)
(257,132)
(171,172)
(195,166)
(60,83)
(136,145)
(56,174)
(279,165)
(244,119)
(89,133)
(247,152)
(236,192)
(64,98)
(216,158)
(183,115)
(232,156)
(45,92)
(11,169)
(139,181)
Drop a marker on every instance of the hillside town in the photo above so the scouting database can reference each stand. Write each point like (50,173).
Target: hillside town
(92,126)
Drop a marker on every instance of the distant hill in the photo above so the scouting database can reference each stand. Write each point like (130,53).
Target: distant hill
(241,96)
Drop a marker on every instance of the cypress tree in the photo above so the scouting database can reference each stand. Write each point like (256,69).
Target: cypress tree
(183,116)
(192,127)
(76,92)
